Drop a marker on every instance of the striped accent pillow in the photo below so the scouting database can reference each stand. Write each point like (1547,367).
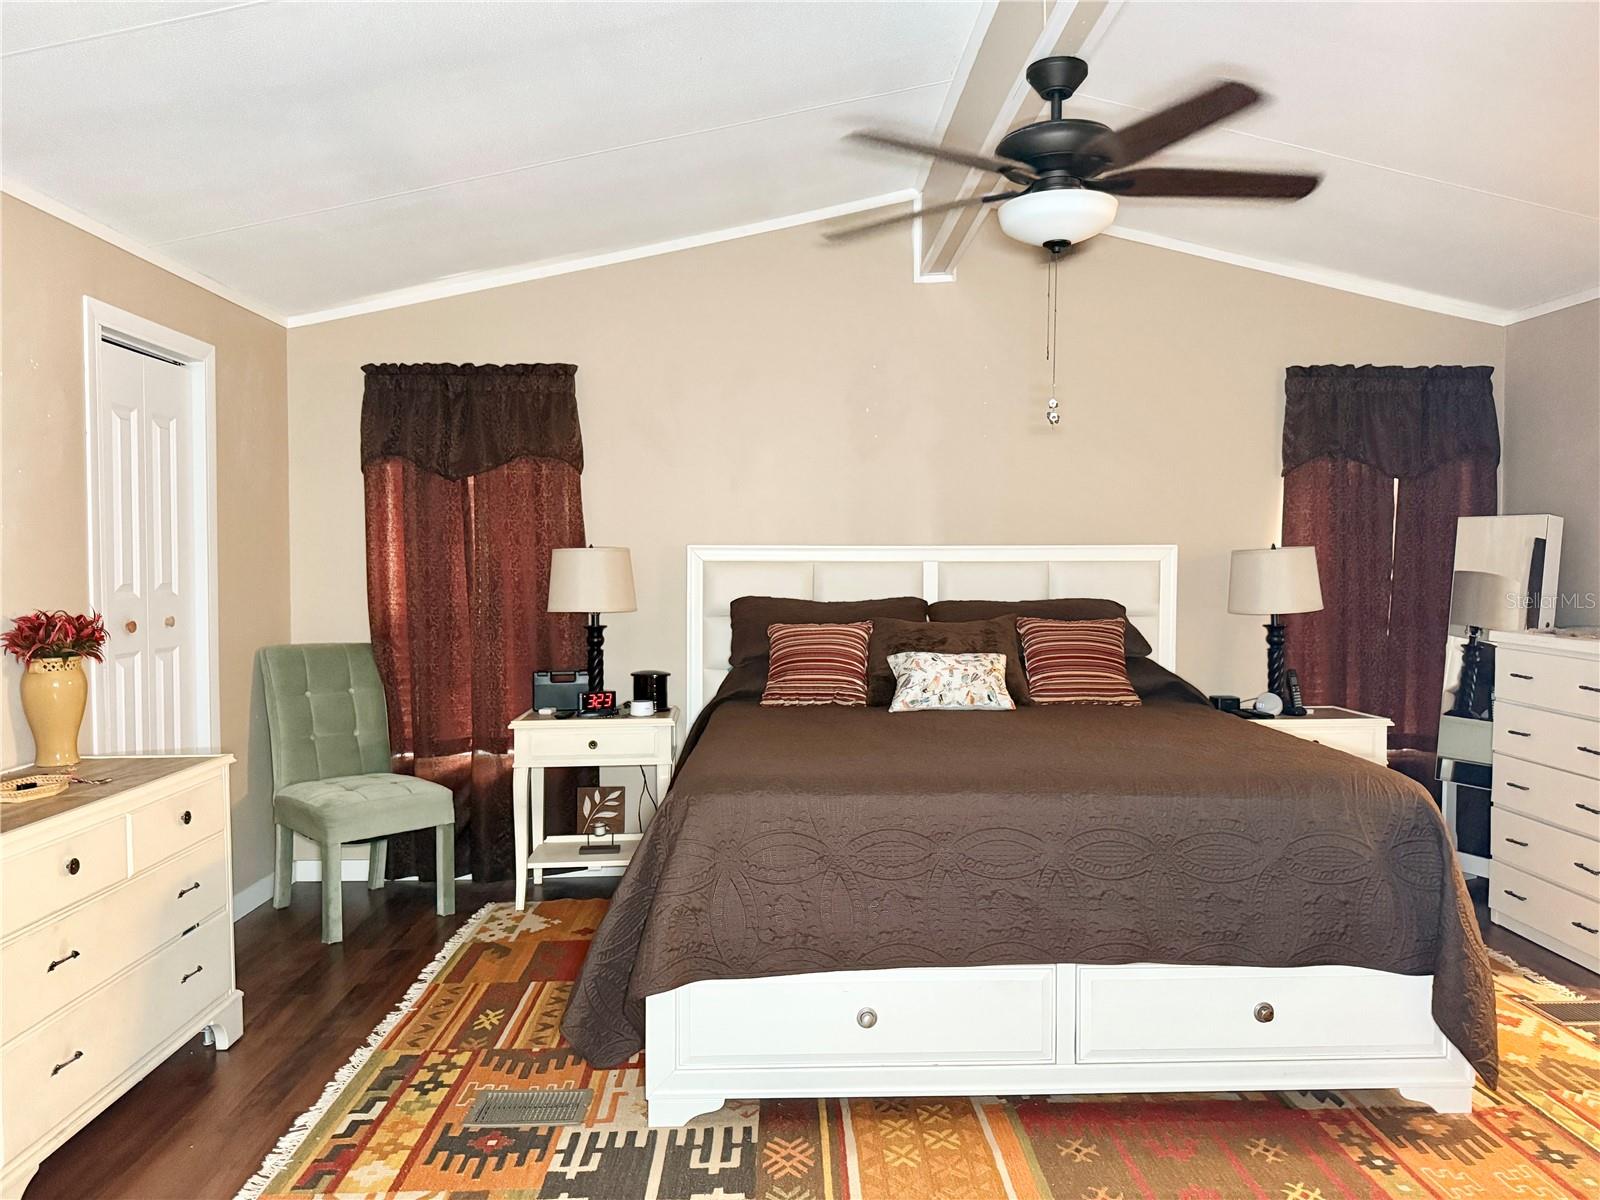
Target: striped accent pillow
(818,664)
(1075,662)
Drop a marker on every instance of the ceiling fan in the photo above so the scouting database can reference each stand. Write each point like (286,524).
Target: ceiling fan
(1064,195)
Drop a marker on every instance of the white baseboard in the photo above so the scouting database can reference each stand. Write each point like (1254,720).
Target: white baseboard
(351,870)
(252,897)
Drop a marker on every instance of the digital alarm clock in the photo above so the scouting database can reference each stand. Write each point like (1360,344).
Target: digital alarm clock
(597,704)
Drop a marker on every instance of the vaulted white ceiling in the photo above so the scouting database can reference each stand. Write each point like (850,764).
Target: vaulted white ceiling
(312,156)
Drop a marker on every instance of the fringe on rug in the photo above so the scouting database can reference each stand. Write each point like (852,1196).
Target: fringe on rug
(290,1142)
(1500,956)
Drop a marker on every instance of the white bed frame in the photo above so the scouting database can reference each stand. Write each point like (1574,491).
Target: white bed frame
(1052,1028)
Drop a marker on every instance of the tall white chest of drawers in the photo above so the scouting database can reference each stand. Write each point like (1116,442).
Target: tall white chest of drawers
(116,943)
(1544,874)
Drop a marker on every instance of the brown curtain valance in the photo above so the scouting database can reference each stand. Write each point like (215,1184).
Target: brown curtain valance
(1405,421)
(464,420)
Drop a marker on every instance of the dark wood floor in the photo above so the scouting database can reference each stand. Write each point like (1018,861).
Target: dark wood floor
(199,1125)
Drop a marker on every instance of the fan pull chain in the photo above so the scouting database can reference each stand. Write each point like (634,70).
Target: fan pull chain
(1052,408)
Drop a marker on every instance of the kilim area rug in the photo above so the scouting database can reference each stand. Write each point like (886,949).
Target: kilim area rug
(485,1017)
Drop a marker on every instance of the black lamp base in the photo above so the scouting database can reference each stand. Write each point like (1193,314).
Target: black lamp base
(1467,686)
(596,636)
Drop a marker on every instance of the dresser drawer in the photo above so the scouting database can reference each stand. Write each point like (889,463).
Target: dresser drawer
(1235,1014)
(60,1065)
(1555,739)
(1558,855)
(176,822)
(1562,682)
(46,969)
(44,880)
(576,741)
(870,1018)
(1565,916)
(1548,794)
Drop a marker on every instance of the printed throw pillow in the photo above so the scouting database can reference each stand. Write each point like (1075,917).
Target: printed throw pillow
(926,680)
(818,664)
(1075,662)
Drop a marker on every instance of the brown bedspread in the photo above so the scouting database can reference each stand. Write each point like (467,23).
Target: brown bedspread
(823,839)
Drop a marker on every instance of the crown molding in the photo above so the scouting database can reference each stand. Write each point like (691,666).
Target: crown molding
(482,281)
(1541,310)
(1341,281)
(140,250)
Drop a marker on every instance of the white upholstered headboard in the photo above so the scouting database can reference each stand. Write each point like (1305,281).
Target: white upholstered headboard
(1144,579)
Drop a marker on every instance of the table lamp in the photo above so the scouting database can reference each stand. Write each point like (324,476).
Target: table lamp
(1270,583)
(1480,600)
(593,580)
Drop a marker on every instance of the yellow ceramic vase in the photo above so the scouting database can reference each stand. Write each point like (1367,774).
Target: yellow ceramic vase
(54,692)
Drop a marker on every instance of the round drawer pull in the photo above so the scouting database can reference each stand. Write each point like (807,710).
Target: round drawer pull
(593,745)
(62,1066)
(187,818)
(73,866)
(866,1018)
(1265,1012)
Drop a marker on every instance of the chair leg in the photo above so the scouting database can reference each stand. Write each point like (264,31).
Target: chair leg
(283,871)
(444,844)
(377,863)
(332,895)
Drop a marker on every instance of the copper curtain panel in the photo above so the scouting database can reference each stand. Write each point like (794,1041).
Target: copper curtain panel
(1378,462)
(472,477)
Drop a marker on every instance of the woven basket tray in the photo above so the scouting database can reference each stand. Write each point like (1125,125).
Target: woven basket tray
(13,790)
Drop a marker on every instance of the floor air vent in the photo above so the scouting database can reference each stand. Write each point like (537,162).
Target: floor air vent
(564,1106)
(1572,1012)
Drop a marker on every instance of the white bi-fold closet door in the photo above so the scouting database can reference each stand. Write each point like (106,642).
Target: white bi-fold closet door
(151,695)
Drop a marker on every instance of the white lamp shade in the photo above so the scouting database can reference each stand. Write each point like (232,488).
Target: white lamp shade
(592,579)
(1057,215)
(1281,580)
(1484,600)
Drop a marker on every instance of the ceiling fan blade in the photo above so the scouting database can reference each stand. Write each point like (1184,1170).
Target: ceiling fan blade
(1139,141)
(839,235)
(1227,185)
(1015,172)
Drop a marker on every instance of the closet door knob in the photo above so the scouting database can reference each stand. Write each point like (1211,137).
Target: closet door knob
(132,627)
(866,1018)
(170,622)
(1265,1012)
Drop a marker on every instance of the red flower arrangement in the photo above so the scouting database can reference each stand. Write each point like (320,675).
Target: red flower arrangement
(55,635)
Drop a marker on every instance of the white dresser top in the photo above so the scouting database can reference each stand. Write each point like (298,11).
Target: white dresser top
(1577,642)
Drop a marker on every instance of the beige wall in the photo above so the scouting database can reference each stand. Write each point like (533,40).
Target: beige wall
(775,389)
(1552,447)
(48,267)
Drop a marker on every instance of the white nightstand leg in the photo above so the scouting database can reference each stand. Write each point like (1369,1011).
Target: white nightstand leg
(519,832)
(536,804)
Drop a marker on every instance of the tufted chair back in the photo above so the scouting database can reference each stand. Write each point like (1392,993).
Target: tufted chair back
(325,712)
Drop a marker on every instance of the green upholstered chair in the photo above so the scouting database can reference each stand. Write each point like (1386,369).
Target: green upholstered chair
(331,781)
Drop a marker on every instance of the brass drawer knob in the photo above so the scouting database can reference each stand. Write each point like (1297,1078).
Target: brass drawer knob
(1264,1012)
(866,1018)
(132,627)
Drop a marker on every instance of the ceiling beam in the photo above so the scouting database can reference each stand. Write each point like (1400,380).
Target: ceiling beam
(994,99)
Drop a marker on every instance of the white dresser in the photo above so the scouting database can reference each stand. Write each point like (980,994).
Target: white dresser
(116,942)
(1544,876)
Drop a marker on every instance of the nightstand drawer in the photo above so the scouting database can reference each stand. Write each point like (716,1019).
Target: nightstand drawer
(577,741)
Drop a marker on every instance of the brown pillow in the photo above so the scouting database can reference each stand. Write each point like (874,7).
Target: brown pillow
(1071,609)
(752,614)
(946,637)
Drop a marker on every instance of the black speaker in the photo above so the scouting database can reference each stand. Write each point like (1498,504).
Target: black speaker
(651,685)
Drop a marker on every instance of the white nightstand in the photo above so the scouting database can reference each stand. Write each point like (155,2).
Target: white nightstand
(1362,734)
(539,742)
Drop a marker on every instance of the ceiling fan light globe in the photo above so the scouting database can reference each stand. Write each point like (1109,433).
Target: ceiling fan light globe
(1057,215)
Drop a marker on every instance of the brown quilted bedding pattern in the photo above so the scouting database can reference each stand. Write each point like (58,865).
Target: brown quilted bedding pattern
(825,839)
